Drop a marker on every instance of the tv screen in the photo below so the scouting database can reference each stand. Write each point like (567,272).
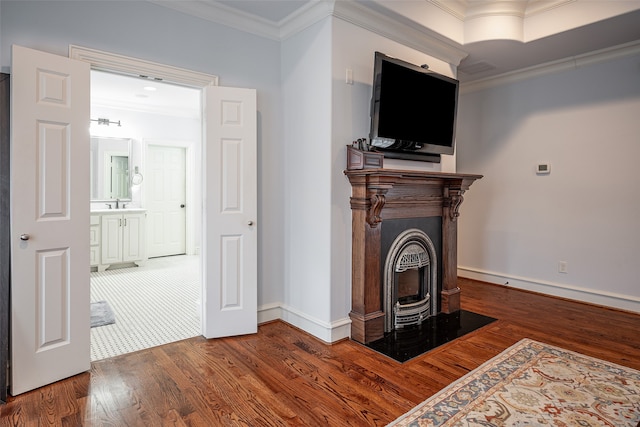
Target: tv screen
(413,110)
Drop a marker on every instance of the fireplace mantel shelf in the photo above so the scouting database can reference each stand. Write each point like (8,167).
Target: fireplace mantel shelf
(407,173)
(379,181)
(383,194)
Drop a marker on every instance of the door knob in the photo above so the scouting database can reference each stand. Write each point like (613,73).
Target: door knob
(250,223)
(24,237)
(182,205)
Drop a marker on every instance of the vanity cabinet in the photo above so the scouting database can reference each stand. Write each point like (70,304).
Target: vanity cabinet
(121,238)
(94,240)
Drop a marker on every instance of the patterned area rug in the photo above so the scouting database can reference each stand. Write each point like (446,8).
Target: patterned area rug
(535,384)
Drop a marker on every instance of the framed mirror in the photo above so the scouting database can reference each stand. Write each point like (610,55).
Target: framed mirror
(110,165)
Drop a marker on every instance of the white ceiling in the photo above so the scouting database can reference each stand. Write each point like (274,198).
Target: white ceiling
(510,55)
(141,94)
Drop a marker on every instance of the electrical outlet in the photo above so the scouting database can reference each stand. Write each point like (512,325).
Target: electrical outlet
(563,267)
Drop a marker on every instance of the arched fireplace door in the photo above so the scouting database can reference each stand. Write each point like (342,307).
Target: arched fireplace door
(410,280)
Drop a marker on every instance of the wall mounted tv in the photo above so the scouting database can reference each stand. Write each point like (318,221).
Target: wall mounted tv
(413,111)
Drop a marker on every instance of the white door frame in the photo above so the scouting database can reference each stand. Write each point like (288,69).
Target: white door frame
(105,61)
(190,181)
(111,62)
(237,116)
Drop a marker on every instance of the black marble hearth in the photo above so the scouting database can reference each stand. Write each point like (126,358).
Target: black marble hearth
(412,341)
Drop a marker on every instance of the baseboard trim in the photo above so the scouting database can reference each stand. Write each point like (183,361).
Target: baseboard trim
(269,312)
(577,293)
(327,332)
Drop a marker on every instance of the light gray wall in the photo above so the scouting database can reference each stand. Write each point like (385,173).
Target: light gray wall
(147,31)
(306,88)
(515,226)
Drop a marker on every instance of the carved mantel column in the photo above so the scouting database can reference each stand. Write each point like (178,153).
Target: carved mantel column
(379,194)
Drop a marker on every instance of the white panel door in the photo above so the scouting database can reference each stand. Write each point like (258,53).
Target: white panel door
(49,218)
(166,200)
(231,210)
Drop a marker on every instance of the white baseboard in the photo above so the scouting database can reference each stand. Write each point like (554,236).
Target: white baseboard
(269,312)
(592,296)
(327,332)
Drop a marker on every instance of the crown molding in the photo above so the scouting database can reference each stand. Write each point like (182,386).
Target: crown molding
(463,9)
(478,17)
(367,15)
(539,6)
(306,16)
(484,10)
(398,28)
(455,8)
(219,13)
(570,63)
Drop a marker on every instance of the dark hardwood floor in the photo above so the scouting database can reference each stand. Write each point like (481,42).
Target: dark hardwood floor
(282,377)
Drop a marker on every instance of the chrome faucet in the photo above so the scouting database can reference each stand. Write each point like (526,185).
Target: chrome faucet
(117,203)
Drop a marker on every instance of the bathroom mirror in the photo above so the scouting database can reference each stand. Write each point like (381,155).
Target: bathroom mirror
(109,165)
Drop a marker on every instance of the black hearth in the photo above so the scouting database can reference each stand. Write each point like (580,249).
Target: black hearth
(412,341)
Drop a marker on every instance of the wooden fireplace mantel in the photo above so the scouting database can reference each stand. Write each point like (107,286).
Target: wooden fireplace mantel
(380,194)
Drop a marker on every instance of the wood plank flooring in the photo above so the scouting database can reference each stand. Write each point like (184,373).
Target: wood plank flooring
(284,377)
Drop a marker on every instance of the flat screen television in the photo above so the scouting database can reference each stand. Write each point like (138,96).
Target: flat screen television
(413,111)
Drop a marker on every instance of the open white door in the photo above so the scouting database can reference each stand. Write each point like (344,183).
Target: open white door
(49,219)
(230,258)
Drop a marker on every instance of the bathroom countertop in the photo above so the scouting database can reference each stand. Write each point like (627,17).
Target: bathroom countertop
(117,211)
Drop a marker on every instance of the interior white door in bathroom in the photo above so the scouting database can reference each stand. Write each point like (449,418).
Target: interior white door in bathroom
(166,207)
(49,219)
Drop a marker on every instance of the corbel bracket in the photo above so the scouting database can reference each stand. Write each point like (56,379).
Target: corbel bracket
(373,213)
(455,200)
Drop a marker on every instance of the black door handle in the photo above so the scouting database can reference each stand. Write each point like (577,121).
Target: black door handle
(182,205)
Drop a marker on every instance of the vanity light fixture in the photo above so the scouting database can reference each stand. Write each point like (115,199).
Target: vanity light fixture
(106,122)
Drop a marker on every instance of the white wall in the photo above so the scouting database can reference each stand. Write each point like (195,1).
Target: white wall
(143,30)
(515,226)
(306,88)
(143,128)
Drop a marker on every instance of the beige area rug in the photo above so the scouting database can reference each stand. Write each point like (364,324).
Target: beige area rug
(535,384)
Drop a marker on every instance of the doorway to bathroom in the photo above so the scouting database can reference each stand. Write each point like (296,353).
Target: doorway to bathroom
(156,300)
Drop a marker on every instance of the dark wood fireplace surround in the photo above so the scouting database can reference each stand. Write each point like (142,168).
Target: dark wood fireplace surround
(381,194)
